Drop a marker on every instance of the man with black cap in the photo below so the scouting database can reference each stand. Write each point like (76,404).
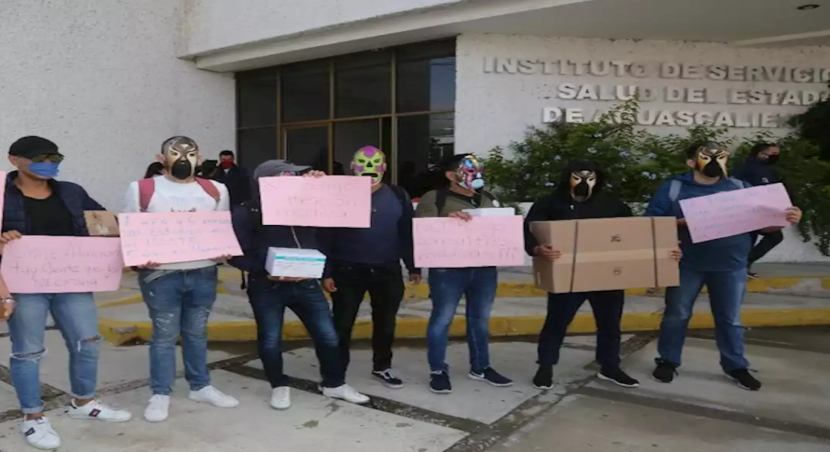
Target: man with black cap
(270,295)
(37,204)
(179,296)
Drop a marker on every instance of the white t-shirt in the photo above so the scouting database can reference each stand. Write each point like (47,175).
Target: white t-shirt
(170,196)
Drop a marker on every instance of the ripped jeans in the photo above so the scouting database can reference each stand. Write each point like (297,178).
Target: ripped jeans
(76,317)
(179,303)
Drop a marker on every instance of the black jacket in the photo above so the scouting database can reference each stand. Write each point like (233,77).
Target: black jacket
(238,183)
(561,206)
(755,171)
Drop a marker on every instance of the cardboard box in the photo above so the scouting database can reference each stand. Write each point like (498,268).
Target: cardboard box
(295,263)
(101,223)
(607,254)
(492,212)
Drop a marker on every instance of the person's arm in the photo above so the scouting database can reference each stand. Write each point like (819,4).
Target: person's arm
(6,301)
(624,210)
(405,233)
(89,203)
(661,205)
(539,211)
(243,228)
(131,199)
(326,240)
(427,207)
(224,203)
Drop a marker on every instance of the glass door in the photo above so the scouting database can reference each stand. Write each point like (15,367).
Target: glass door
(307,145)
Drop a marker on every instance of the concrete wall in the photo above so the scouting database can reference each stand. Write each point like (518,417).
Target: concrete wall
(101,79)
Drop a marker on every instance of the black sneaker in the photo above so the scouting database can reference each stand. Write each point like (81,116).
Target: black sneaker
(543,379)
(388,378)
(618,377)
(439,382)
(491,376)
(744,379)
(665,371)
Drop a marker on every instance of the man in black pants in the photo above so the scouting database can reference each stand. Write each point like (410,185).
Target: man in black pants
(758,170)
(579,195)
(361,260)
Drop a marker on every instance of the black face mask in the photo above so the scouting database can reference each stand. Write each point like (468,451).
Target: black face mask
(182,169)
(712,169)
(772,159)
(581,190)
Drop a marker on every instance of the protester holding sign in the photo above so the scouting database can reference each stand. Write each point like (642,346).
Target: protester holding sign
(720,264)
(270,295)
(35,204)
(364,260)
(179,296)
(447,285)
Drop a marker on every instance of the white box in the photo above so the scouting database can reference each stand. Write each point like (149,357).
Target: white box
(295,263)
(492,212)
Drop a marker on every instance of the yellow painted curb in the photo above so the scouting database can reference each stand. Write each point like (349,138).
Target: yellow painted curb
(120,332)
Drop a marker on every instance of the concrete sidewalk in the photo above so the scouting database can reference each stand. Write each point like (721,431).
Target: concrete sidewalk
(779,298)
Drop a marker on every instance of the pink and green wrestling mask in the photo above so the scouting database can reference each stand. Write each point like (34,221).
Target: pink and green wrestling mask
(371,162)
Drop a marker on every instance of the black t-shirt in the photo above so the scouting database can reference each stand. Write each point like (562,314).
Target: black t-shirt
(48,216)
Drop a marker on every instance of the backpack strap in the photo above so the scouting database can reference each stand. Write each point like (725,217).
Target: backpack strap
(674,189)
(209,188)
(146,188)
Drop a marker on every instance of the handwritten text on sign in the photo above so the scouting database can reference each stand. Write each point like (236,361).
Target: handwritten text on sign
(329,201)
(480,242)
(172,237)
(41,264)
(736,212)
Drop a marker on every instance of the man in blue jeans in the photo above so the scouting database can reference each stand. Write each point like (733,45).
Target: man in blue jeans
(447,285)
(179,296)
(270,295)
(719,264)
(37,204)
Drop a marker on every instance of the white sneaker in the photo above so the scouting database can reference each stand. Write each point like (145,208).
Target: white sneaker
(96,410)
(157,409)
(346,393)
(281,398)
(40,434)
(213,396)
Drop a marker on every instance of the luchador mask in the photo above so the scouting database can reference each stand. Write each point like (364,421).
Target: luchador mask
(470,173)
(181,155)
(371,162)
(583,183)
(711,160)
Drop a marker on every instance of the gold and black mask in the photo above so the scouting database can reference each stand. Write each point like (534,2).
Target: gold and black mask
(711,160)
(181,156)
(582,184)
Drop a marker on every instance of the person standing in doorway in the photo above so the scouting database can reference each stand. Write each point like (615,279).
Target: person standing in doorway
(759,169)
(234,177)
(361,260)
(447,285)
(37,204)
(179,296)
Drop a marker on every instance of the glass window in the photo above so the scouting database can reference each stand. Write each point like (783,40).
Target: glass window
(423,141)
(307,146)
(426,77)
(349,136)
(257,102)
(363,84)
(305,91)
(256,146)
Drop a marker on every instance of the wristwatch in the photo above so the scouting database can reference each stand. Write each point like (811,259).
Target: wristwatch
(6,300)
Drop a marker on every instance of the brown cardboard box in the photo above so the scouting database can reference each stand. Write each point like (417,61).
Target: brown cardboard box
(101,223)
(607,254)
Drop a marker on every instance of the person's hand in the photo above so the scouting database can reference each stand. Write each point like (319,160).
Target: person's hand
(793,215)
(149,264)
(7,237)
(329,286)
(463,216)
(676,254)
(314,173)
(6,309)
(547,252)
(415,278)
(681,222)
(223,257)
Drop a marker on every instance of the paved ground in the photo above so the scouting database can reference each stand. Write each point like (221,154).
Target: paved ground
(702,410)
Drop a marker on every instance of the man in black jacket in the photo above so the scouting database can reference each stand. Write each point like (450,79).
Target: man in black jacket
(579,195)
(234,177)
(759,170)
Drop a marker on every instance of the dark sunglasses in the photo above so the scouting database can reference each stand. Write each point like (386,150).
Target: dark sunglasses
(54,158)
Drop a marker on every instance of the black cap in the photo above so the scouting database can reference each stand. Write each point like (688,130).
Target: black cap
(32,146)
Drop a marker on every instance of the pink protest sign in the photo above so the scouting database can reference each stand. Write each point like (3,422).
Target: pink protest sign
(735,212)
(329,201)
(46,264)
(481,242)
(172,237)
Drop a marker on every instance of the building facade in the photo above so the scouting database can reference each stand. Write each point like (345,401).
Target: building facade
(314,80)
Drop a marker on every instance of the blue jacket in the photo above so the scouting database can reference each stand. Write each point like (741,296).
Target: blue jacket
(74,197)
(726,254)
(756,172)
(255,239)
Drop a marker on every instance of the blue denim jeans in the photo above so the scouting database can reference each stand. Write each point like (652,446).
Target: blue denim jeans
(76,317)
(269,300)
(446,287)
(179,303)
(726,294)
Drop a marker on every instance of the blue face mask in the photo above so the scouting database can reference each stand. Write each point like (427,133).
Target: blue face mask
(46,170)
